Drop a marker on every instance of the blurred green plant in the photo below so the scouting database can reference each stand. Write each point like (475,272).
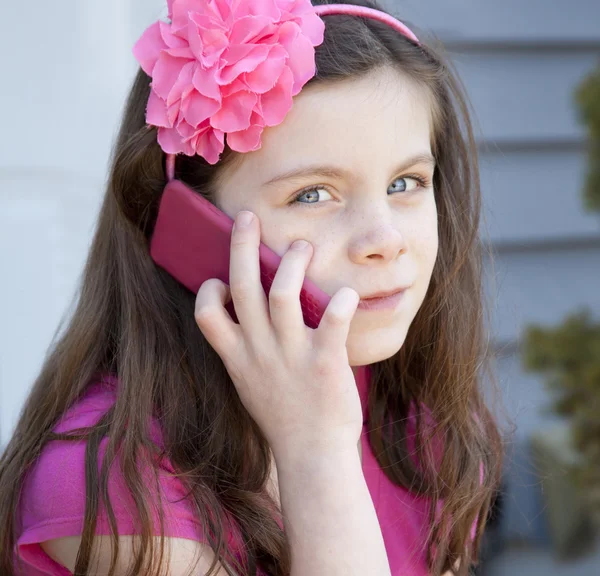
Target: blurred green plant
(569,354)
(569,357)
(588,104)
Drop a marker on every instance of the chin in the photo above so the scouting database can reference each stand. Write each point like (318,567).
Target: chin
(368,348)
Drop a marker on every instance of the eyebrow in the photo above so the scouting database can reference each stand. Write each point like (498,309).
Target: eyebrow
(339,173)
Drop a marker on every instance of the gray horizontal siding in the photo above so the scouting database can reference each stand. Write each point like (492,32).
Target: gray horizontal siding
(524,96)
(512,20)
(542,285)
(533,195)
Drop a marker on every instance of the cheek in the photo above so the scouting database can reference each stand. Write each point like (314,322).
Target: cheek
(424,239)
(430,250)
(279,235)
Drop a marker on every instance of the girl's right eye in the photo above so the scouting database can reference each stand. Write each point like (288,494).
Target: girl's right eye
(311,193)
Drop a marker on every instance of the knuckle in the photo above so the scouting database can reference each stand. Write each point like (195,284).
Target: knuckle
(205,315)
(265,361)
(239,240)
(233,369)
(334,318)
(264,354)
(209,284)
(279,297)
(240,291)
(323,365)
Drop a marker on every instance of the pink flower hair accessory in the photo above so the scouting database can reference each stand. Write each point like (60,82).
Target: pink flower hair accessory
(231,67)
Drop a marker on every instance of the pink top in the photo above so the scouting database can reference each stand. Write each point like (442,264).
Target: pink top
(53,498)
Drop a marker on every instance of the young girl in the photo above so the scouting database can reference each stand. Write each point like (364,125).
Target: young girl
(162,437)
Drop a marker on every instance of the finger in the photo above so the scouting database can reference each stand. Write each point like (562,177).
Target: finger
(221,332)
(284,296)
(334,327)
(247,293)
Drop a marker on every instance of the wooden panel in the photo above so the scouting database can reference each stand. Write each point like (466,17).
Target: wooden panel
(541,286)
(533,196)
(525,97)
(489,21)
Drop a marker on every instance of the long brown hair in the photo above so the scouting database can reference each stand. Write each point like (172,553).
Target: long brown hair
(134,320)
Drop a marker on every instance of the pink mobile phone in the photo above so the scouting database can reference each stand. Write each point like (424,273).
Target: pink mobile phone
(191,241)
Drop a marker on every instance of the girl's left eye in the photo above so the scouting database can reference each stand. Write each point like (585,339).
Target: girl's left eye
(405,184)
(409,183)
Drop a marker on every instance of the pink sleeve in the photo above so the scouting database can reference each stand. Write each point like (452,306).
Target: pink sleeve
(53,497)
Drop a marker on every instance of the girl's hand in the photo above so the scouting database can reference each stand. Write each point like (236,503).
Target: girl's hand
(294,381)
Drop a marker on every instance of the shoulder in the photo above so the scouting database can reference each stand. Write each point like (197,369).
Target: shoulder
(54,487)
(53,495)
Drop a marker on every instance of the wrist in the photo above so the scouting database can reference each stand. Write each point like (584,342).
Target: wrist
(318,460)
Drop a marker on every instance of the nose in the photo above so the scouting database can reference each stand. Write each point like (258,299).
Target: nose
(382,240)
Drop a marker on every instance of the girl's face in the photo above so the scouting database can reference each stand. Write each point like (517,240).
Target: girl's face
(364,199)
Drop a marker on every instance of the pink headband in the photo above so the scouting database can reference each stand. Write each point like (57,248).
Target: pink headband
(232,67)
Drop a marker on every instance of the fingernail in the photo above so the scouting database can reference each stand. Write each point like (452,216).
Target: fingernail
(244,218)
(299,245)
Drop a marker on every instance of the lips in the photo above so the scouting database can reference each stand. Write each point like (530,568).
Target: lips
(387,303)
(384,294)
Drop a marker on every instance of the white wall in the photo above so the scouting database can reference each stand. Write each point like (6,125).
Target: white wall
(66,69)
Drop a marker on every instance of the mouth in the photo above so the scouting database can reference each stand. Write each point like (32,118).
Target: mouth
(384,293)
(383,300)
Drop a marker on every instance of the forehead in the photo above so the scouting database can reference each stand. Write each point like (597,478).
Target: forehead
(369,122)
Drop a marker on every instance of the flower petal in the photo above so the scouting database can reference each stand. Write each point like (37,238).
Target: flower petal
(297,8)
(237,85)
(313,28)
(245,140)
(265,76)
(246,29)
(194,40)
(174,113)
(188,132)
(148,48)
(165,74)
(170,140)
(253,56)
(276,103)
(188,149)
(198,108)
(204,81)
(170,39)
(210,144)
(182,10)
(156,112)
(217,12)
(235,112)
(268,8)
(215,43)
(302,54)
(207,20)
(303,14)
(206,141)
(183,85)
(207,40)
(183,52)
(188,136)
(237,52)
(220,7)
